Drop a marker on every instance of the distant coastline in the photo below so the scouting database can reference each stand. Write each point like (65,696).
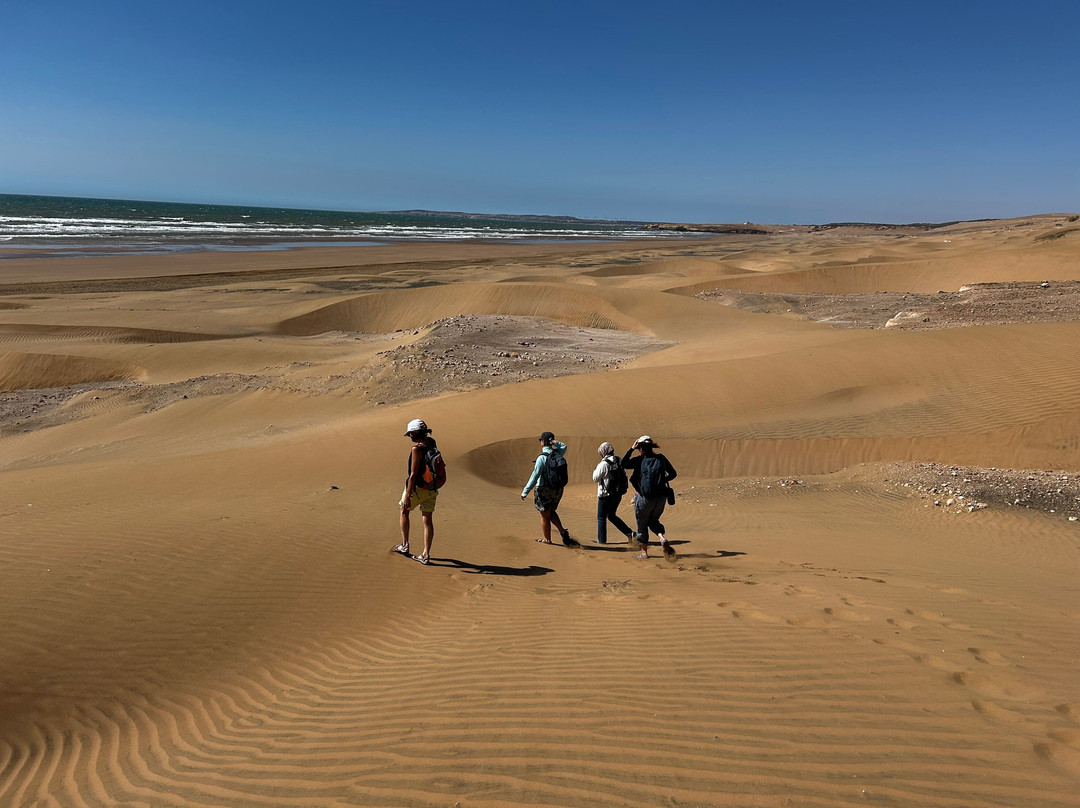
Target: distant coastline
(48,226)
(53,226)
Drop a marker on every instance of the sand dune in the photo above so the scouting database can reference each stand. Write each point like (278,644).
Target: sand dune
(23,371)
(389,311)
(200,470)
(26,332)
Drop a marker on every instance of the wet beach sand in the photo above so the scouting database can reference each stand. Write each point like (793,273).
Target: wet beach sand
(875,599)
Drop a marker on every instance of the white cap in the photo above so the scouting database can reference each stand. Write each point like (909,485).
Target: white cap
(416,425)
(644,439)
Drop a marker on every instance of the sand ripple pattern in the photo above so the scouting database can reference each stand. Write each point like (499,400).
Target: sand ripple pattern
(562,710)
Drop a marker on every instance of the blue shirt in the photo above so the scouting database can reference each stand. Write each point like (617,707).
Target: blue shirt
(558,448)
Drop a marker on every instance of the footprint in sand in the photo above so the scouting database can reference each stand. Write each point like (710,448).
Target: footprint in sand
(997,687)
(937,662)
(760,617)
(807,621)
(900,622)
(1070,711)
(922,614)
(989,657)
(846,614)
(938,617)
(995,712)
(745,610)
(914,651)
(1064,757)
(1067,736)
(920,654)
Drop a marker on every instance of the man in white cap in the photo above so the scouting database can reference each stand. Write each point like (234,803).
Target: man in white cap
(651,473)
(421,487)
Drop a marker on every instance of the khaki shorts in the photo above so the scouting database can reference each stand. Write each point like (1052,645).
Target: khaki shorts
(424,498)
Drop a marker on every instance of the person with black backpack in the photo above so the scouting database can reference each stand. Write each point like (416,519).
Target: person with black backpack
(427,473)
(651,474)
(611,485)
(549,476)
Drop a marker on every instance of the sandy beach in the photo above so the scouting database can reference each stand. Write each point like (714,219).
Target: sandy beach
(875,600)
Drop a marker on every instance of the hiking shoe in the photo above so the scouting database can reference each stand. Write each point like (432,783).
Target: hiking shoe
(669,551)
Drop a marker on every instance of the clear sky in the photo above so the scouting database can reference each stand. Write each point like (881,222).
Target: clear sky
(682,111)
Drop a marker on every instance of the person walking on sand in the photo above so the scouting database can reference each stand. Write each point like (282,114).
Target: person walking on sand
(611,485)
(427,473)
(652,471)
(549,476)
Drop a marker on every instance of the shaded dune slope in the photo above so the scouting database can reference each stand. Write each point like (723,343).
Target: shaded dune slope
(682,267)
(26,332)
(20,371)
(413,308)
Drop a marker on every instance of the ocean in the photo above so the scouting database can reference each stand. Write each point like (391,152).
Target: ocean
(50,226)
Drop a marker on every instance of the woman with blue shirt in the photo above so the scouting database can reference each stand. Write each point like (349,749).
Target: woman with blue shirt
(547,482)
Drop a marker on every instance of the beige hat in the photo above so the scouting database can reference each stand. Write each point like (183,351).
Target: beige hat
(645,439)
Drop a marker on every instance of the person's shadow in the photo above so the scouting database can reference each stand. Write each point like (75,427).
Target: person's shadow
(624,548)
(488,569)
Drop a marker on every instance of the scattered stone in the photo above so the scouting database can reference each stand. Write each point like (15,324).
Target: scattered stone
(971,305)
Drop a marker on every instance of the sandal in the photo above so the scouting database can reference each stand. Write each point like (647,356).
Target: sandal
(423,559)
(403,549)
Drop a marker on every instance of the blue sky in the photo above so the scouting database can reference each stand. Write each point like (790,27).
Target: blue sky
(760,111)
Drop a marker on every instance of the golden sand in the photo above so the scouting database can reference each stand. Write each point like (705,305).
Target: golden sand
(202,455)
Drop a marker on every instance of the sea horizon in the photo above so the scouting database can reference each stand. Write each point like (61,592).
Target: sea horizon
(39,226)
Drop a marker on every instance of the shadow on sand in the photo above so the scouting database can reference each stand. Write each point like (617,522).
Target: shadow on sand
(488,569)
(623,547)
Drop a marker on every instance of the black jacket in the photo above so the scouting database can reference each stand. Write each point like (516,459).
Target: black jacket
(631,463)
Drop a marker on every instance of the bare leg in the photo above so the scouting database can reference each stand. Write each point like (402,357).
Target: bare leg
(405,530)
(429,532)
(545,526)
(555,520)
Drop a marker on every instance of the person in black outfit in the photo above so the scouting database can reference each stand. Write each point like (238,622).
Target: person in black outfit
(651,473)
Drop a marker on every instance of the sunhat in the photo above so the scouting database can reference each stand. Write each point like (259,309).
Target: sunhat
(416,425)
(645,440)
